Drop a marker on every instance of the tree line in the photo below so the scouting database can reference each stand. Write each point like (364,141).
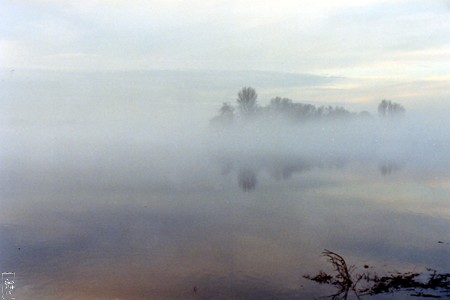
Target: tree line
(247,107)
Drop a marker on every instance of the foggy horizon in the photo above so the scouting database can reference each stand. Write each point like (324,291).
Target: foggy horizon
(172,149)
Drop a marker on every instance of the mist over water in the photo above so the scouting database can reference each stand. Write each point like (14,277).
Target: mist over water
(138,193)
(374,142)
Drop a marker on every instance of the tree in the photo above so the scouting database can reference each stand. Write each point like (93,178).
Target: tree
(387,108)
(382,107)
(226,114)
(226,110)
(280,104)
(247,100)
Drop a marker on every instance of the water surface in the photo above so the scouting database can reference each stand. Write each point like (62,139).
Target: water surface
(138,201)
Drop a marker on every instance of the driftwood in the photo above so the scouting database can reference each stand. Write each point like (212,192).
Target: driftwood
(436,286)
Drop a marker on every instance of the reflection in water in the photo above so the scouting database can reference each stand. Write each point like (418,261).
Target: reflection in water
(428,284)
(278,168)
(388,168)
(88,220)
(108,241)
(247,180)
(281,169)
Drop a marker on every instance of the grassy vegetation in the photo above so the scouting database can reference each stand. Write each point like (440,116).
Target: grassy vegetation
(428,284)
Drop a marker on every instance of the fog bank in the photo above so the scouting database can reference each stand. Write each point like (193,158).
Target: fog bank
(57,131)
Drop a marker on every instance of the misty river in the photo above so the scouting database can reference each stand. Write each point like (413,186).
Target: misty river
(156,205)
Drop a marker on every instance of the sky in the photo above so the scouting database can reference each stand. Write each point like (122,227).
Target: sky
(352,53)
(395,39)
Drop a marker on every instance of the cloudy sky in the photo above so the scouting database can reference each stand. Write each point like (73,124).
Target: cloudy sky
(360,38)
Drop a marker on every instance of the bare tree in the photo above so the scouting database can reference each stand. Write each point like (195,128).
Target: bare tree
(226,109)
(387,108)
(280,104)
(226,115)
(247,100)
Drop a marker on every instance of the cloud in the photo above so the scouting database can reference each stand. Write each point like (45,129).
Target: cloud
(321,37)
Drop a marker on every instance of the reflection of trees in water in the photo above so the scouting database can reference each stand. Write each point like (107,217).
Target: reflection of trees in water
(277,168)
(247,177)
(388,168)
(287,170)
(247,180)
(250,129)
(283,169)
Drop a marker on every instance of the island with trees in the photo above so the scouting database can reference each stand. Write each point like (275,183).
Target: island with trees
(287,137)
(247,108)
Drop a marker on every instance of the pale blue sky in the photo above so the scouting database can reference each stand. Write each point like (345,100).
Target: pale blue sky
(357,51)
(370,39)
(110,74)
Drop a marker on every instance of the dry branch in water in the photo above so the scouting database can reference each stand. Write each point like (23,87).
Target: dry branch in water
(437,285)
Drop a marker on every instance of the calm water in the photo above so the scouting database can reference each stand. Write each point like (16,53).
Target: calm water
(83,218)
(105,195)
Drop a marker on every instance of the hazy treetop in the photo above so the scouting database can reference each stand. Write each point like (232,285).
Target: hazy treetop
(288,110)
